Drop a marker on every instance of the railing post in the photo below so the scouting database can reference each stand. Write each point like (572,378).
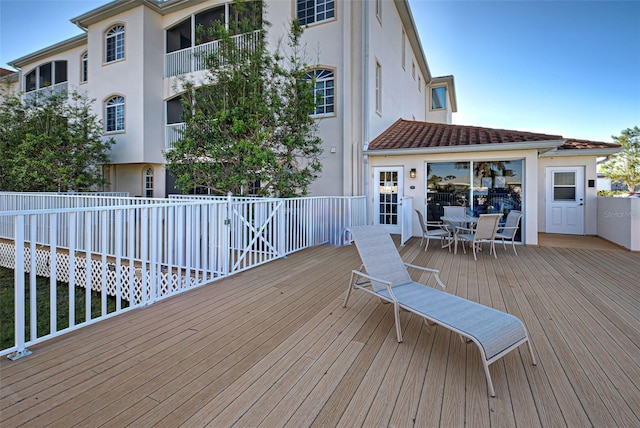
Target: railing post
(226,236)
(18,286)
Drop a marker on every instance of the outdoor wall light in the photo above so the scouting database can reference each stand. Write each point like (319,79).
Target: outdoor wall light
(412,173)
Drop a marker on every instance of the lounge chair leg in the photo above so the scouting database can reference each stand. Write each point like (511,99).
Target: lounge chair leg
(513,244)
(396,310)
(533,358)
(346,299)
(489,382)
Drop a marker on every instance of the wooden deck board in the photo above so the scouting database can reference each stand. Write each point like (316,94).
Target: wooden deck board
(273,347)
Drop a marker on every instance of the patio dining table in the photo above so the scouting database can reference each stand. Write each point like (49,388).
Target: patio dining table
(454,220)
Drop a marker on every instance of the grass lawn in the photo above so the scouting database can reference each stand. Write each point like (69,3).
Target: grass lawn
(43,302)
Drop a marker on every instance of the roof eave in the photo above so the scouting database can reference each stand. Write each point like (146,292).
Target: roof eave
(71,43)
(412,34)
(599,151)
(541,146)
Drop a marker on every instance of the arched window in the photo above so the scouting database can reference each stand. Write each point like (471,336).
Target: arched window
(148,182)
(84,67)
(114,114)
(114,43)
(324,91)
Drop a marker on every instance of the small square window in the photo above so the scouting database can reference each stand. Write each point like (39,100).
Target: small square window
(439,98)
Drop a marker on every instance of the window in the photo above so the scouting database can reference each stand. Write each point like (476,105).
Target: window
(378,88)
(84,67)
(403,49)
(114,44)
(564,186)
(324,91)
(46,75)
(114,114)
(439,98)
(310,11)
(419,84)
(413,70)
(148,183)
(379,10)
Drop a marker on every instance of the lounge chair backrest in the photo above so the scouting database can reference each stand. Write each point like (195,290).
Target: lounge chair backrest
(487,226)
(379,255)
(513,218)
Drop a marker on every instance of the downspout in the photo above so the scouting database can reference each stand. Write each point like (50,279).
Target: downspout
(365,112)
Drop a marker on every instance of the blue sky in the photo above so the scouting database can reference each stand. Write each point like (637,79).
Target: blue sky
(562,67)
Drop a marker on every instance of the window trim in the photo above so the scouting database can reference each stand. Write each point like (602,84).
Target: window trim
(145,176)
(106,115)
(404,49)
(106,36)
(333,72)
(84,67)
(378,87)
(431,98)
(378,10)
(315,21)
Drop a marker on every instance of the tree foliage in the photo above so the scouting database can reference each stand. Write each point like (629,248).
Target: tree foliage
(625,165)
(250,120)
(51,144)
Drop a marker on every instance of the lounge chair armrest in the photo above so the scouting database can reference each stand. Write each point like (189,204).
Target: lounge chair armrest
(373,279)
(458,228)
(507,227)
(435,273)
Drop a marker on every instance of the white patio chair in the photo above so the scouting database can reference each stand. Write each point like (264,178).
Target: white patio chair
(435,229)
(484,231)
(508,231)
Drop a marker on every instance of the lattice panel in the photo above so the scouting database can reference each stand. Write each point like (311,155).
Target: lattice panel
(168,283)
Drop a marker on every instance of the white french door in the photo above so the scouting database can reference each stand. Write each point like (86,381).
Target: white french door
(388,185)
(565,200)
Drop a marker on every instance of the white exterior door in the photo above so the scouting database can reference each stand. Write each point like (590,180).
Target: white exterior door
(388,185)
(565,200)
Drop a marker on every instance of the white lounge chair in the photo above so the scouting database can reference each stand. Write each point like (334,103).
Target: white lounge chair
(508,231)
(495,333)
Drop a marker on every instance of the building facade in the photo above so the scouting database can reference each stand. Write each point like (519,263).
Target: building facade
(133,55)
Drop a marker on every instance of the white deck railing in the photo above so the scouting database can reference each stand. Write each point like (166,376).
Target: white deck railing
(138,251)
(194,58)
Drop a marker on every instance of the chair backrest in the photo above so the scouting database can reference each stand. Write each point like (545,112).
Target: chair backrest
(379,255)
(513,218)
(487,227)
(454,211)
(422,223)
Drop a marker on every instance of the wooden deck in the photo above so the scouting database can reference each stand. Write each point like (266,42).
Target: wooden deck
(273,347)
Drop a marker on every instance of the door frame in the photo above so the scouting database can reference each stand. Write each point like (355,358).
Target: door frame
(579,202)
(397,228)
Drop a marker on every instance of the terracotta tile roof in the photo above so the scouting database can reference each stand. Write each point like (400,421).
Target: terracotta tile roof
(5,72)
(586,144)
(406,134)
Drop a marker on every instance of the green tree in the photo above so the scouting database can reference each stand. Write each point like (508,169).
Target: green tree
(250,121)
(625,165)
(52,144)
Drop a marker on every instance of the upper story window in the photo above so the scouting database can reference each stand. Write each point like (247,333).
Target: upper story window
(310,11)
(84,67)
(378,88)
(324,91)
(379,10)
(413,70)
(403,48)
(114,44)
(45,75)
(114,114)
(439,98)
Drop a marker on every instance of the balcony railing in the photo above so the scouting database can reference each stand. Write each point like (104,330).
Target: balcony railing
(194,58)
(172,133)
(34,96)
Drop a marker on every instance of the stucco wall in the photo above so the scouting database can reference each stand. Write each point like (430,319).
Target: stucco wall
(619,221)
(419,162)
(591,193)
